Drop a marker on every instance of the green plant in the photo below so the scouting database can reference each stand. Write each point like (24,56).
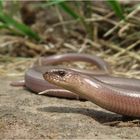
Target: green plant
(7,22)
(65,7)
(117,8)
(15,27)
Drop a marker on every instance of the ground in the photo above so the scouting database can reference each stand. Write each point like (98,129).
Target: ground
(25,115)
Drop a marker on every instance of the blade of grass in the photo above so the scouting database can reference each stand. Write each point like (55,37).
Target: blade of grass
(14,32)
(25,30)
(50,3)
(73,14)
(67,9)
(117,8)
(1,5)
(3,26)
(53,2)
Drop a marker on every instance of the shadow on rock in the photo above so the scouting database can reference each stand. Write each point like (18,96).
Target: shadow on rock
(100,116)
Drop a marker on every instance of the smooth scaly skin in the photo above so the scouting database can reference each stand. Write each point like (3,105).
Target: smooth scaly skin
(35,81)
(115,99)
(74,57)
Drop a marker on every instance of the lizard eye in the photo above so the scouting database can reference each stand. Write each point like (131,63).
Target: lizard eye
(61,73)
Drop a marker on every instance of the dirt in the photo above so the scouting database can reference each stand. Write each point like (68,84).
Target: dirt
(25,115)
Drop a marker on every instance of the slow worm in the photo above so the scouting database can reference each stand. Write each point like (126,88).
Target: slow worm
(116,99)
(117,92)
(35,82)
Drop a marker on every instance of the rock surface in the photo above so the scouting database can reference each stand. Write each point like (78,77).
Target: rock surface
(25,115)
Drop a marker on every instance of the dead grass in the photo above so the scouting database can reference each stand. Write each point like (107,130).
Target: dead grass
(115,41)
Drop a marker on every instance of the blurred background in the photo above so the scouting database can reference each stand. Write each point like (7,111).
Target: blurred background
(109,29)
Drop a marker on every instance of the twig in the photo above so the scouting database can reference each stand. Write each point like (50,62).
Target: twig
(122,22)
(61,19)
(115,47)
(127,48)
(83,47)
(123,29)
(93,19)
(70,46)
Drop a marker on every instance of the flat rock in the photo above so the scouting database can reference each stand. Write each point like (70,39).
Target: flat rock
(26,115)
